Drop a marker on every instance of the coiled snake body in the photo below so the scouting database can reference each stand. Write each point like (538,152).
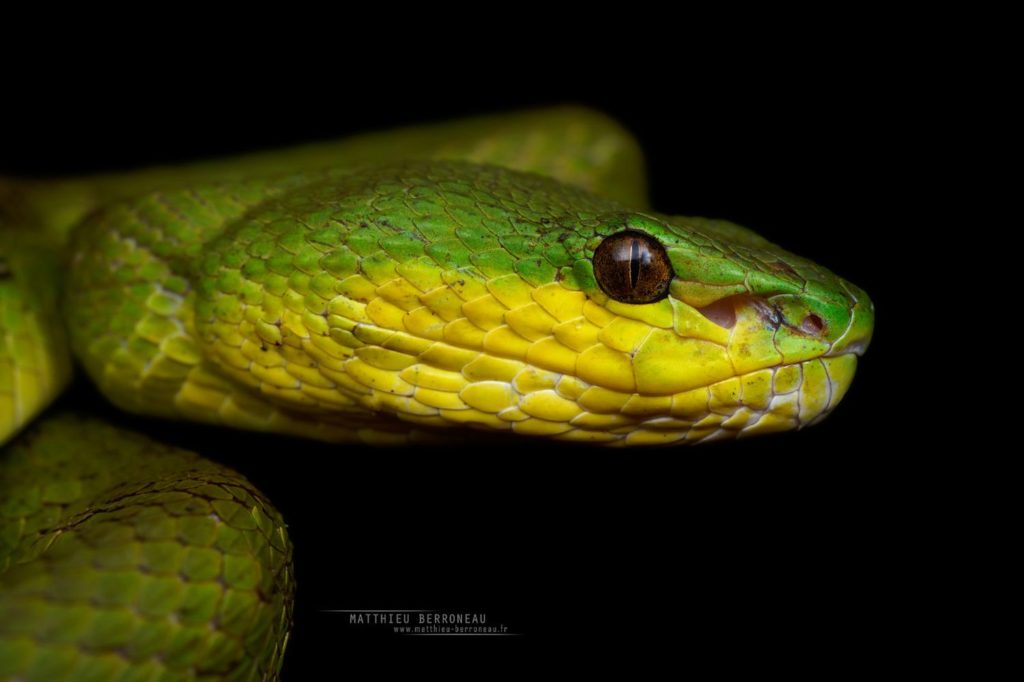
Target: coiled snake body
(497,275)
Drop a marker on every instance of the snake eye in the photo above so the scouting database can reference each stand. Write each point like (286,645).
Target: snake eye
(632,267)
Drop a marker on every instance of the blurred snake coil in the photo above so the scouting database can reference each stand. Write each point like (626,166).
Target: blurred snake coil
(444,282)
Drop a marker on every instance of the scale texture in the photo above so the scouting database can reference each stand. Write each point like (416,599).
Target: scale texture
(124,559)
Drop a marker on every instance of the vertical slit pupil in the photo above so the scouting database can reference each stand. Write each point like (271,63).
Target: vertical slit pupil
(634,263)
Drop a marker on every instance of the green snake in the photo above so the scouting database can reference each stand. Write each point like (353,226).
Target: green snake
(492,276)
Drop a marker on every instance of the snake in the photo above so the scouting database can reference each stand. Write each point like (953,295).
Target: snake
(502,276)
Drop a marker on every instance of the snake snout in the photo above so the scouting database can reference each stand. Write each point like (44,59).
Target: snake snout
(857,337)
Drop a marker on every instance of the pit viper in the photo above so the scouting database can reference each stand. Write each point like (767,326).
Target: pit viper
(501,275)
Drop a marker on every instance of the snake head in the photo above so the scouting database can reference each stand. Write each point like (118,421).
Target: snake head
(748,336)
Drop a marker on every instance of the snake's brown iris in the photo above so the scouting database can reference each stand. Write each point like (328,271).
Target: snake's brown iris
(632,267)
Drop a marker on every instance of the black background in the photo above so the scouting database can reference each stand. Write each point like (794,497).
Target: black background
(767,548)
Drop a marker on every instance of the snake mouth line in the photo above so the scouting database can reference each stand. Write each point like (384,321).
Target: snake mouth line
(782,398)
(857,348)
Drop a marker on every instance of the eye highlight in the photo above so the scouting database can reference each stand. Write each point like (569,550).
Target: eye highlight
(632,267)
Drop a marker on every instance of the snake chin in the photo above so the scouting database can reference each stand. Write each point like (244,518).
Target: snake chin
(783,398)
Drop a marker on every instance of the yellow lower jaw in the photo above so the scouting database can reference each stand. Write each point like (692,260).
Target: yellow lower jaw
(812,390)
(766,401)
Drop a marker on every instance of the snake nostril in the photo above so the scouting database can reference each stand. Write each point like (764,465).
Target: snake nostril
(812,324)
